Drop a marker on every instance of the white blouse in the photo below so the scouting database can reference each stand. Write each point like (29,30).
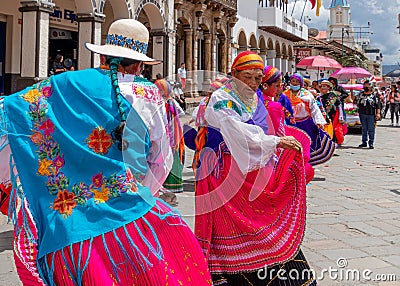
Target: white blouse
(300,110)
(250,147)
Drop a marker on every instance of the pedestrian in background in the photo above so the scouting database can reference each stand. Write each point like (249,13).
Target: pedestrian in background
(182,75)
(58,65)
(394,102)
(369,111)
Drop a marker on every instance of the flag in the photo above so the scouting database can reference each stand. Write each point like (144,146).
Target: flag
(312,3)
(319,3)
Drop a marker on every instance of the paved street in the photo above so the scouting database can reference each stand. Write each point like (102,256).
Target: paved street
(353,223)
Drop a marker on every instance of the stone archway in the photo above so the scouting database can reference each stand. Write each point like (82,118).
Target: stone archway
(114,10)
(263,48)
(242,42)
(222,55)
(151,15)
(278,62)
(271,53)
(291,59)
(121,9)
(284,64)
(253,43)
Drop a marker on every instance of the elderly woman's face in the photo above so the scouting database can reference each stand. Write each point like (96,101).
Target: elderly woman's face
(252,78)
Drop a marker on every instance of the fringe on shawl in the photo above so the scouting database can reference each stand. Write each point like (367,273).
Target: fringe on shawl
(46,268)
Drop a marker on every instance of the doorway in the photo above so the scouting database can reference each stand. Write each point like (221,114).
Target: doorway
(2,55)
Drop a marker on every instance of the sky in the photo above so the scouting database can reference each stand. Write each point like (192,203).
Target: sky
(382,15)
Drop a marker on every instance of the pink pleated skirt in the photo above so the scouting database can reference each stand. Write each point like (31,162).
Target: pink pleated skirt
(171,257)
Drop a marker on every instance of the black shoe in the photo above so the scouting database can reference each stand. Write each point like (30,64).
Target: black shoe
(371,147)
(362,145)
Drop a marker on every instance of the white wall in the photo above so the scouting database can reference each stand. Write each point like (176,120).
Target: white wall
(13,50)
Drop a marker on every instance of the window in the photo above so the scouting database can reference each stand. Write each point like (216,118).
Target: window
(339,17)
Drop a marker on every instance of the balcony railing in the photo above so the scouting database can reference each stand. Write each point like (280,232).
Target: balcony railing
(273,3)
(231,4)
(276,21)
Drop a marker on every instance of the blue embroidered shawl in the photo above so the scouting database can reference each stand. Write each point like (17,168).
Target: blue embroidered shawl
(70,169)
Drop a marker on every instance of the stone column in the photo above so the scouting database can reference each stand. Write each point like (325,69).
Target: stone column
(89,32)
(194,75)
(278,61)
(188,49)
(229,54)
(291,65)
(284,64)
(188,58)
(224,54)
(35,44)
(159,49)
(214,52)
(271,54)
(207,61)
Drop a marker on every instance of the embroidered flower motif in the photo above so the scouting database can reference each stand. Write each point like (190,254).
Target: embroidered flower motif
(44,167)
(101,196)
(47,91)
(140,90)
(64,203)
(51,160)
(58,162)
(36,137)
(47,127)
(99,140)
(97,180)
(31,96)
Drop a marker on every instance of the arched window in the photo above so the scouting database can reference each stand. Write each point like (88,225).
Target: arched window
(339,17)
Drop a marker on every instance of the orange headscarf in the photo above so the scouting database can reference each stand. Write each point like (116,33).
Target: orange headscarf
(246,61)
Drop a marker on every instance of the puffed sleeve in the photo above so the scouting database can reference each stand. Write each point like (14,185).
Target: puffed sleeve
(316,113)
(250,147)
(151,109)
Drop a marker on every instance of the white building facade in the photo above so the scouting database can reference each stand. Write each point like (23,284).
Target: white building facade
(268,29)
(33,32)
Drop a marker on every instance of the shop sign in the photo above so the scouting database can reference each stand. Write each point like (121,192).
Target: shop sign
(57,34)
(64,14)
(302,53)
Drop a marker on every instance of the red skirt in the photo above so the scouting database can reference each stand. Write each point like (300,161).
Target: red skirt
(240,233)
(171,257)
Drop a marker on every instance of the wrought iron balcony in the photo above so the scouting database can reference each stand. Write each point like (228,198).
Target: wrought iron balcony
(230,4)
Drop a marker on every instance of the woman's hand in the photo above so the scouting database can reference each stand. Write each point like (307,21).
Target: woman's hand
(289,142)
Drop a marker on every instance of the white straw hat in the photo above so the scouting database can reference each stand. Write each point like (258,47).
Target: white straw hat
(126,38)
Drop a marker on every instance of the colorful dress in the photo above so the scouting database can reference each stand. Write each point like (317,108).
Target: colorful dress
(174,182)
(277,116)
(84,217)
(250,197)
(334,115)
(307,115)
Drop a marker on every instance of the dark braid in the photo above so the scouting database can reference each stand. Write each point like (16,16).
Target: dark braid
(119,131)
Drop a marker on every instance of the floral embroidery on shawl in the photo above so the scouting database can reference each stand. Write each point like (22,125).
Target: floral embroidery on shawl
(51,160)
(99,140)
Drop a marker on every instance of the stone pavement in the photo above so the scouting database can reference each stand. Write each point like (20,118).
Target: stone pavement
(353,224)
